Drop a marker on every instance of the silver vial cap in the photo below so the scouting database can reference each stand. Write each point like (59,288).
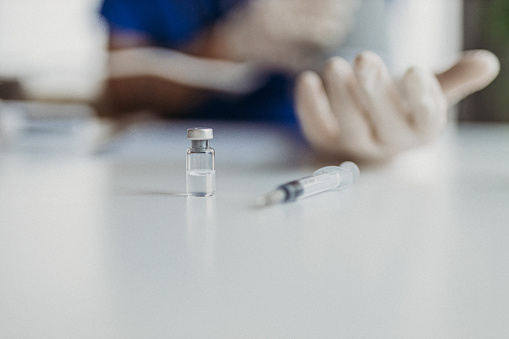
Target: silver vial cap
(200,133)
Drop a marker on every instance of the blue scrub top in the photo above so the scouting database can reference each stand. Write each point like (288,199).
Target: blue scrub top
(173,23)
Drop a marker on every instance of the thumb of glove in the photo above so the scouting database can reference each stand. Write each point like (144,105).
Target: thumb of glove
(475,70)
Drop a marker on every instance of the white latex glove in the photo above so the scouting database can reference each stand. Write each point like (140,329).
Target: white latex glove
(360,113)
(286,34)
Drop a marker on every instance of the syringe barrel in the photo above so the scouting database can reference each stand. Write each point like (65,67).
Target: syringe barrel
(324,179)
(348,173)
(318,183)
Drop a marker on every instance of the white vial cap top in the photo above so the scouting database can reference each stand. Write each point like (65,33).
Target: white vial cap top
(200,133)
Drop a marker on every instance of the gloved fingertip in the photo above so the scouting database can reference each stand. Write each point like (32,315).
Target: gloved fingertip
(426,101)
(416,80)
(309,89)
(337,65)
(474,71)
(420,85)
(370,70)
(307,81)
(484,59)
(313,109)
(308,76)
(371,73)
(366,60)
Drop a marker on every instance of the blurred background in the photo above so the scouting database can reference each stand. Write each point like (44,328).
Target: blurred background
(54,50)
(486,25)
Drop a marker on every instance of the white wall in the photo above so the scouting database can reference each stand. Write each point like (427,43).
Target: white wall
(405,33)
(427,33)
(56,46)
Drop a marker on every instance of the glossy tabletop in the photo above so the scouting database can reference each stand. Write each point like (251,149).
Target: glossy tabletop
(107,245)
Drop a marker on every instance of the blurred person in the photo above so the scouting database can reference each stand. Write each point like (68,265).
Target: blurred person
(268,60)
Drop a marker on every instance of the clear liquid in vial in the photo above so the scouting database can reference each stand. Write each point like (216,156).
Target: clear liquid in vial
(201,183)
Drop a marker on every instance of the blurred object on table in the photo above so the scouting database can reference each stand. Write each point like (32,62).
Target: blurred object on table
(11,89)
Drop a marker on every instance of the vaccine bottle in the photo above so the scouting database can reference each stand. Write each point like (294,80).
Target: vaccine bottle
(200,163)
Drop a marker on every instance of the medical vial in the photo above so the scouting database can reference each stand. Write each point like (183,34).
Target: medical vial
(200,163)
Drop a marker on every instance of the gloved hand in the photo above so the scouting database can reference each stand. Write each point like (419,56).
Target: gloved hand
(292,35)
(360,112)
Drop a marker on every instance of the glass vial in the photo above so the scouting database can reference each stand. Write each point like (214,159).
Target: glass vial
(200,163)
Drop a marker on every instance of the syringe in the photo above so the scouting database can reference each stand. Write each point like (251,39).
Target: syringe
(324,179)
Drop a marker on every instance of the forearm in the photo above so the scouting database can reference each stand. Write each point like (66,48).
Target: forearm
(144,77)
(139,93)
(186,70)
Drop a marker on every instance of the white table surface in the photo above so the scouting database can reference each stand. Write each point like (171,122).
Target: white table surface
(107,246)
